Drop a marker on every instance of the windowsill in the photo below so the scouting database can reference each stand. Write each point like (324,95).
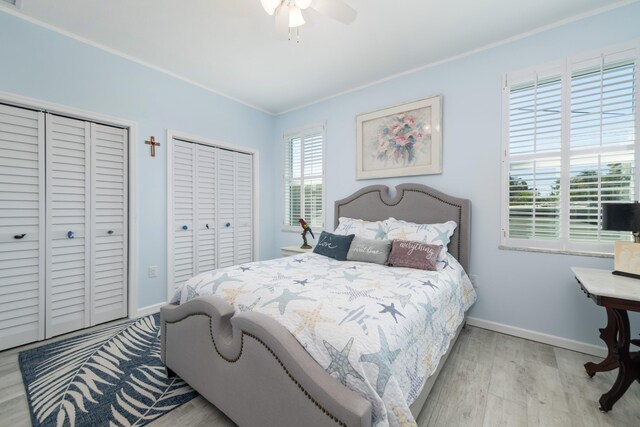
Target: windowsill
(557,251)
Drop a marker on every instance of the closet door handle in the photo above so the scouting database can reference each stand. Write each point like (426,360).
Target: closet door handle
(70,235)
(207,225)
(110,232)
(228,224)
(19,236)
(184,227)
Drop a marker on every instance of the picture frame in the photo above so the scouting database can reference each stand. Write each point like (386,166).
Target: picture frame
(403,140)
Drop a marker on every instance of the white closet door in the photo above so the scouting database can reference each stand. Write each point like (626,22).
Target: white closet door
(108,223)
(206,208)
(21,226)
(67,225)
(184,192)
(226,208)
(244,208)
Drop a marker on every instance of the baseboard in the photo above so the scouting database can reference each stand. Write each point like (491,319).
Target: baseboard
(582,347)
(145,311)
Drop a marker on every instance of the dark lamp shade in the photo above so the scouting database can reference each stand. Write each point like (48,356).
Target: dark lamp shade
(621,216)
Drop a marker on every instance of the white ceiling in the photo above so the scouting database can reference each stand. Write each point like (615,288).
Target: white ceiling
(230,46)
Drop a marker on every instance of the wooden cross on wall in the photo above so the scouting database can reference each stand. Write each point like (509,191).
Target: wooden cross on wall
(153,145)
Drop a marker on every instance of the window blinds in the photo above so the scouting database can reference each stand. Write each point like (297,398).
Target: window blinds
(569,148)
(602,145)
(534,168)
(304,177)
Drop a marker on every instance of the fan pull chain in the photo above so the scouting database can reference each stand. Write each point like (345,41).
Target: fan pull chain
(297,34)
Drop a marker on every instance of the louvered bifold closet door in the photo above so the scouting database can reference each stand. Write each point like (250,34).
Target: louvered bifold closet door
(68,225)
(244,208)
(184,192)
(21,226)
(109,223)
(206,208)
(226,208)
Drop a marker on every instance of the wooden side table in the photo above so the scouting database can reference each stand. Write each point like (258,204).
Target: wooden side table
(617,295)
(293,250)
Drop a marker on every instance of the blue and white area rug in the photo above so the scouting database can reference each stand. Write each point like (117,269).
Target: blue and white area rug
(110,377)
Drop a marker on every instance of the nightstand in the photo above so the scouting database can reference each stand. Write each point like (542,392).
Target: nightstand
(617,295)
(293,250)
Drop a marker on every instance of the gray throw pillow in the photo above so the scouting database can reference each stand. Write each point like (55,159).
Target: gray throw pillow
(368,250)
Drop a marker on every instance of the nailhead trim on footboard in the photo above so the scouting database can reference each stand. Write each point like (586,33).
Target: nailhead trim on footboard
(306,393)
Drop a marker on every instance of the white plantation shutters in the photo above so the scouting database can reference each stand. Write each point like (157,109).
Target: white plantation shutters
(570,146)
(602,144)
(22,216)
(304,177)
(534,162)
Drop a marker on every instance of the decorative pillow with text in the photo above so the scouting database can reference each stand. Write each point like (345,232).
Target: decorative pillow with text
(368,250)
(412,254)
(333,246)
(432,234)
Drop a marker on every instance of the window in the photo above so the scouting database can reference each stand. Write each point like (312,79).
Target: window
(569,147)
(304,177)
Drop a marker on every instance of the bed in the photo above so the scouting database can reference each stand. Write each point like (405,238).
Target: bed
(252,367)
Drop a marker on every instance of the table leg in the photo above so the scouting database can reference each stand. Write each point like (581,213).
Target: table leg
(628,370)
(608,335)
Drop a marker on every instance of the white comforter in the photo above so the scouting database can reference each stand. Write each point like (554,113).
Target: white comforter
(380,330)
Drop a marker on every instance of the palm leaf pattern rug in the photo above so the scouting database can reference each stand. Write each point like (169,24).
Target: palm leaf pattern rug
(113,376)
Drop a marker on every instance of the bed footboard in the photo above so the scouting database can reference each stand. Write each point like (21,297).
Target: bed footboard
(253,369)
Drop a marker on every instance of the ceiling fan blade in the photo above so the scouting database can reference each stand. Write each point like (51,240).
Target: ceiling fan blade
(336,9)
(282,21)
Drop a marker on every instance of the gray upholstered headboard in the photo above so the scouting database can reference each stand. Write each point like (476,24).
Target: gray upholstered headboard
(415,203)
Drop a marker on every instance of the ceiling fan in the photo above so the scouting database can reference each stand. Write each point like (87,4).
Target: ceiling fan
(288,13)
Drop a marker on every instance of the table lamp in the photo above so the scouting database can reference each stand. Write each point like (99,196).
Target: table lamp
(624,217)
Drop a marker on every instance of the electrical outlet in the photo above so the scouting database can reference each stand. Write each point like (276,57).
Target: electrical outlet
(153,271)
(474,280)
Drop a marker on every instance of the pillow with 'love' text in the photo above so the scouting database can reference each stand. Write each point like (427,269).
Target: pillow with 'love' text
(333,246)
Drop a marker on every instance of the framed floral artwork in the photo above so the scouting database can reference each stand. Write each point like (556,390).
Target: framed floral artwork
(403,140)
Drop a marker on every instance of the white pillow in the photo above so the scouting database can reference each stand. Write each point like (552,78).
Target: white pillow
(376,230)
(433,234)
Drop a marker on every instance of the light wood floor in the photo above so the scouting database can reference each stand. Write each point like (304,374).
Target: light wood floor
(490,379)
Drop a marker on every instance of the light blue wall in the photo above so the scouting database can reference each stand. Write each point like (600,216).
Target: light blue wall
(528,290)
(45,65)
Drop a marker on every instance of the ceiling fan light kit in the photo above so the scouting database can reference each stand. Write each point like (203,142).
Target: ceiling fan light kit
(288,13)
(295,16)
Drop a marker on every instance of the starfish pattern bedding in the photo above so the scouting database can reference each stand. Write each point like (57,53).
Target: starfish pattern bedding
(379,330)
